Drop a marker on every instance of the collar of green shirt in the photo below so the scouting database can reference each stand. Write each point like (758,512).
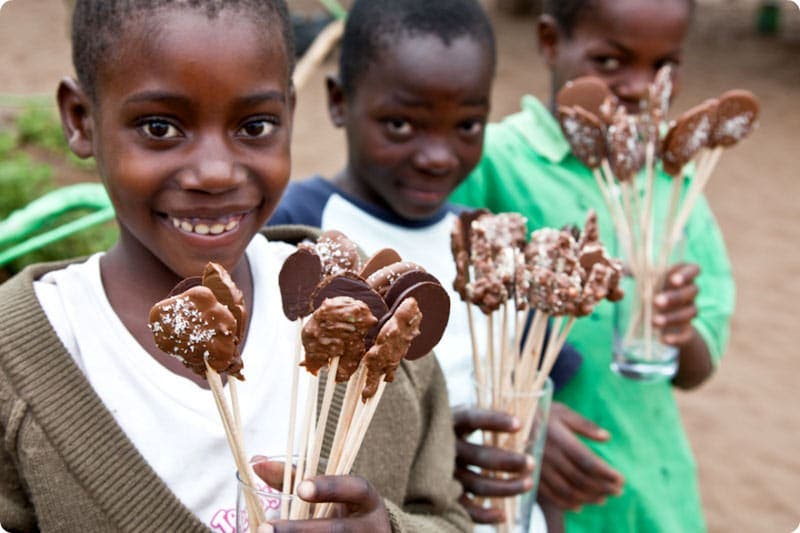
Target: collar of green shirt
(537,125)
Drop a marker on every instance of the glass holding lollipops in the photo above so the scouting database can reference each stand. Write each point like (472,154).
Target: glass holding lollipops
(624,151)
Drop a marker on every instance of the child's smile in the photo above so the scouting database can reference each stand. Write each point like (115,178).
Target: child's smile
(415,123)
(192,139)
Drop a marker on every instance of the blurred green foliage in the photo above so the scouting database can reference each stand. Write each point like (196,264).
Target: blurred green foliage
(23,179)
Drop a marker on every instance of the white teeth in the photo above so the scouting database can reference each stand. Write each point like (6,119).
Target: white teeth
(205,229)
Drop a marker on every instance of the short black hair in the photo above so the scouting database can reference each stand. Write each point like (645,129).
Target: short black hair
(373,25)
(567,12)
(98,24)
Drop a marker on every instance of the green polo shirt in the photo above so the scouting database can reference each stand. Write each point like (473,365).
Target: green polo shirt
(527,167)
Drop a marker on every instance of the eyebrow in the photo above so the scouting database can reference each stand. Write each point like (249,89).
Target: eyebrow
(414,102)
(166,97)
(628,51)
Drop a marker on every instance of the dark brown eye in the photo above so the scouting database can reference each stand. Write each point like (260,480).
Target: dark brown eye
(160,129)
(256,129)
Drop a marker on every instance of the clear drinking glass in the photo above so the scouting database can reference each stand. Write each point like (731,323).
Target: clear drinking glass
(638,352)
(268,498)
(521,510)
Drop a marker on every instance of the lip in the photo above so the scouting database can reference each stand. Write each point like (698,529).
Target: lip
(425,195)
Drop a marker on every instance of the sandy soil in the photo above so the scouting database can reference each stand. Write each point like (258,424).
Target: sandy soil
(745,424)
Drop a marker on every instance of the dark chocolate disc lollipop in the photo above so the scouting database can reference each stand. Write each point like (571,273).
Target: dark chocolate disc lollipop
(185,284)
(298,278)
(588,92)
(584,133)
(690,133)
(737,113)
(380,259)
(352,286)
(434,303)
(406,281)
(382,279)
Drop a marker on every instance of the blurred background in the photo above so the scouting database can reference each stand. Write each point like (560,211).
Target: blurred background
(745,423)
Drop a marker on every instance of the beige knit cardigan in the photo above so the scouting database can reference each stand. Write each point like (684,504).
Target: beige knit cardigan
(65,464)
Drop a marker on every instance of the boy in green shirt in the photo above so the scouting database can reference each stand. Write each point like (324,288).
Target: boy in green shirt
(637,473)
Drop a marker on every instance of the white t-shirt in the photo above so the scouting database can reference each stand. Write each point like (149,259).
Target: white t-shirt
(173,422)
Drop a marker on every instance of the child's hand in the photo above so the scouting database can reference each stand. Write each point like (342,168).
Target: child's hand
(571,474)
(360,508)
(674,305)
(520,466)
(674,310)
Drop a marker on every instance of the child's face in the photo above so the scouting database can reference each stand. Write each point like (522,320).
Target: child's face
(415,122)
(624,42)
(191,132)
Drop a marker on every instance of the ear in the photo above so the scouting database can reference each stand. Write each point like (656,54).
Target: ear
(76,119)
(336,100)
(548,35)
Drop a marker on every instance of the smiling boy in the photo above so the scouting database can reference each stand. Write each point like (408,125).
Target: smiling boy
(187,108)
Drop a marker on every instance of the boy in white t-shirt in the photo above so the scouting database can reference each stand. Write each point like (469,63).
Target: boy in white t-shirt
(187,108)
(413,97)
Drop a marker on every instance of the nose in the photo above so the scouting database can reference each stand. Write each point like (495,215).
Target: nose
(634,88)
(435,156)
(213,169)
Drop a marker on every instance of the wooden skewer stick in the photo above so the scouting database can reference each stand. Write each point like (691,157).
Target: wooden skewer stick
(286,488)
(480,378)
(312,462)
(308,418)
(554,346)
(490,357)
(693,194)
(254,511)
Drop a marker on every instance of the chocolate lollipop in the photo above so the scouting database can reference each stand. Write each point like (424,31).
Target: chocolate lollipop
(391,345)
(202,324)
(585,134)
(298,278)
(337,328)
(737,115)
(216,278)
(382,279)
(690,133)
(461,246)
(660,93)
(495,243)
(625,151)
(587,92)
(379,259)
(337,253)
(349,285)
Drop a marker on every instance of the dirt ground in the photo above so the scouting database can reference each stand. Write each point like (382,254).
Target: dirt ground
(745,424)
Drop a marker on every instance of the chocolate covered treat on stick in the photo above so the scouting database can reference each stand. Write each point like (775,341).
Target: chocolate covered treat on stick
(202,325)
